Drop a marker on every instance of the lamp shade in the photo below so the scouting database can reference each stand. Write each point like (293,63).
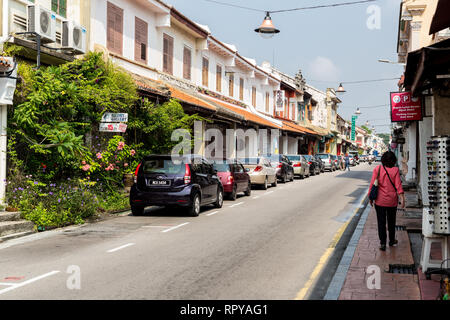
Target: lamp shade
(267,28)
(341,88)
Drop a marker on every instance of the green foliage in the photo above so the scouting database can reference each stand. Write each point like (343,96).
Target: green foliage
(366,129)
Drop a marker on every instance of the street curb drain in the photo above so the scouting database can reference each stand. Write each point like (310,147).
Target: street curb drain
(402,269)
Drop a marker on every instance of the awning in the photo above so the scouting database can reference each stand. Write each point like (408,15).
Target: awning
(427,67)
(441,18)
(293,127)
(151,86)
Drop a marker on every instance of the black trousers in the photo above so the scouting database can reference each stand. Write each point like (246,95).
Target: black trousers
(383,214)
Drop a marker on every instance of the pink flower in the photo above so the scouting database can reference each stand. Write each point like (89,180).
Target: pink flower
(86,167)
(99,155)
(83,162)
(121,145)
(125,164)
(132,152)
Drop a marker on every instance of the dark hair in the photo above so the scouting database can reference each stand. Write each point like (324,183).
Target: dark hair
(389,159)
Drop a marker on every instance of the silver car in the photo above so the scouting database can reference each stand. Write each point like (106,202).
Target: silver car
(300,164)
(260,171)
(328,160)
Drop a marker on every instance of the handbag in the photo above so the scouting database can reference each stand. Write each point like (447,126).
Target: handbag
(374,190)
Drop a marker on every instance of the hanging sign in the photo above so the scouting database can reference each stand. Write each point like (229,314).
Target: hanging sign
(405,107)
(279,100)
(353,128)
(115,117)
(113,127)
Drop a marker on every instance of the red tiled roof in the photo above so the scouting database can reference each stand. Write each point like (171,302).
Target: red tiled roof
(191,99)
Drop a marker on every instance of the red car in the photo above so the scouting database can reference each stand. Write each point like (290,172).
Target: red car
(234,178)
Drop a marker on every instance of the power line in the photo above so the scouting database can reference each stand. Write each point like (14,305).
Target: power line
(292,9)
(375,80)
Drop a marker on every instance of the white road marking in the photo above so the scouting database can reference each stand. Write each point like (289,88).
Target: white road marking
(154,226)
(236,204)
(210,214)
(266,193)
(7,284)
(257,197)
(121,247)
(18,285)
(176,227)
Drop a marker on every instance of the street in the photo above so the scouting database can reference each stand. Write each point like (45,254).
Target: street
(265,246)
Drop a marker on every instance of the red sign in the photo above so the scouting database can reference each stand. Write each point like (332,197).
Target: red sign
(404,107)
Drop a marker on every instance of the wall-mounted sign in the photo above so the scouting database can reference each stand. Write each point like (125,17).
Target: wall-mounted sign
(353,134)
(279,100)
(405,107)
(113,127)
(115,117)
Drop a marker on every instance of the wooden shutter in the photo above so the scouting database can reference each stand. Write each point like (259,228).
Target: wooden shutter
(267,102)
(114,32)
(205,71)
(231,86)
(140,40)
(254,96)
(219,78)
(187,58)
(241,89)
(168,54)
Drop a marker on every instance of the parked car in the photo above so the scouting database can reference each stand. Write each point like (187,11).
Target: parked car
(363,158)
(341,162)
(191,182)
(314,167)
(378,158)
(320,162)
(260,171)
(234,177)
(300,165)
(327,161)
(283,166)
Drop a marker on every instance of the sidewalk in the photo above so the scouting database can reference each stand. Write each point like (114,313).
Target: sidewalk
(398,280)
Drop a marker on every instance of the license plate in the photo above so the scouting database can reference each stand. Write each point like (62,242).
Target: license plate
(159,182)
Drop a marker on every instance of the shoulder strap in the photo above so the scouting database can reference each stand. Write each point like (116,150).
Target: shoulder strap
(390,179)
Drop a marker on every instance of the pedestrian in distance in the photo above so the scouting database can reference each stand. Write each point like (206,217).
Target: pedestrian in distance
(347,162)
(390,191)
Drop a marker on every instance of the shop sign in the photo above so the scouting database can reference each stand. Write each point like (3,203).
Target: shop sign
(405,107)
(113,127)
(279,100)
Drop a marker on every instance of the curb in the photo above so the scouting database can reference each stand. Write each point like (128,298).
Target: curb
(336,284)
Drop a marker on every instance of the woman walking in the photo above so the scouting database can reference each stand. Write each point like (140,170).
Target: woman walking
(389,191)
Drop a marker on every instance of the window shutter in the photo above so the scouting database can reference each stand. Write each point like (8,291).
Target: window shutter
(114,28)
(187,58)
(267,102)
(140,40)
(241,89)
(254,96)
(219,78)
(205,72)
(167,54)
(231,86)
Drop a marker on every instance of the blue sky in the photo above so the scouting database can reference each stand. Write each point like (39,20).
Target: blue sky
(329,45)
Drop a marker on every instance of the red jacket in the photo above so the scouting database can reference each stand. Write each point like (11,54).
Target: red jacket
(387,197)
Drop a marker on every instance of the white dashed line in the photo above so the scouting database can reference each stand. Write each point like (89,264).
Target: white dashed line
(257,197)
(18,285)
(210,214)
(236,204)
(176,227)
(121,247)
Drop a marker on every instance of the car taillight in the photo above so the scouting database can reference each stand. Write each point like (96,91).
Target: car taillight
(309,163)
(279,166)
(329,160)
(136,173)
(230,179)
(258,168)
(298,164)
(187,174)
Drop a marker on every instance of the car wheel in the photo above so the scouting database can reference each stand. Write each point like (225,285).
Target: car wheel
(137,210)
(275,183)
(284,180)
(292,177)
(248,192)
(233,195)
(194,209)
(219,201)
(264,186)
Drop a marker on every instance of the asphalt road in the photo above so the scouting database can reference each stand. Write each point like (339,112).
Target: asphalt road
(265,246)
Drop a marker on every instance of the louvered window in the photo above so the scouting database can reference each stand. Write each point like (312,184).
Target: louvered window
(140,40)
(187,63)
(114,33)
(168,54)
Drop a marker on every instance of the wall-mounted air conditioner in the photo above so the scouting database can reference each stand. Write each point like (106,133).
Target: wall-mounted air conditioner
(43,22)
(73,37)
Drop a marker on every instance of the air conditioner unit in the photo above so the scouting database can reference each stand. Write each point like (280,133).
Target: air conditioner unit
(73,37)
(43,22)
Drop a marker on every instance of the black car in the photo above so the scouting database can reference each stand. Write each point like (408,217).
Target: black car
(314,166)
(320,162)
(191,182)
(285,170)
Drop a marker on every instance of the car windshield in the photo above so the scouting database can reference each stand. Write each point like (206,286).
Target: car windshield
(307,157)
(293,158)
(161,165)
(221,166)
(249,160)
(323,156)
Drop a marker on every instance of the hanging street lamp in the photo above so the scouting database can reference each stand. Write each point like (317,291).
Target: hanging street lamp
(340,89)
(267,29)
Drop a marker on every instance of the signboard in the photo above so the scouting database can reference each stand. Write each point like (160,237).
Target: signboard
(404,107)
(8,72)
(279,100)
(115,117)
(353,127)
(113,127)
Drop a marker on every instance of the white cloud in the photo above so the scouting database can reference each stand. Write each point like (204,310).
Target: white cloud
(322,68)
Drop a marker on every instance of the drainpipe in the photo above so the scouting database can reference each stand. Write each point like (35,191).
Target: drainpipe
(3,141)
